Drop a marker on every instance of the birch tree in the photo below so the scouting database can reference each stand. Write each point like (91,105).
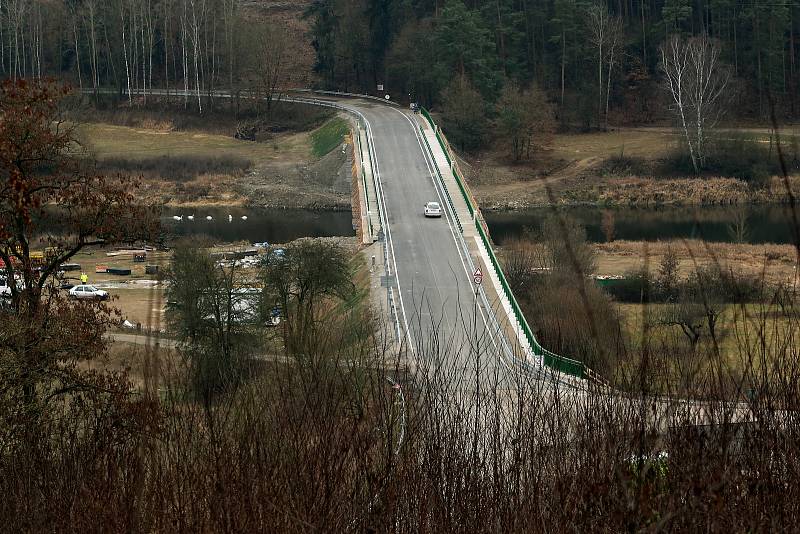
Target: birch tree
(15,10)
(91,14)
(196,5)
(698,84)
(599,22)
(605,34)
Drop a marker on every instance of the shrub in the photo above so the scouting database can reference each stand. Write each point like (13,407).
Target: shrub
(175,168)
(735,156)
(635,287)
(622,165)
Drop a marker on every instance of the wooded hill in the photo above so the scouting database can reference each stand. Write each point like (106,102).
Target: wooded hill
(579,53)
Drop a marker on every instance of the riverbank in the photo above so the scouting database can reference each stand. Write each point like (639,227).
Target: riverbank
(293,160)
(626,167)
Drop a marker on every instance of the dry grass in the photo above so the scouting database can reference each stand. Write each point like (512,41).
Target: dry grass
(281,155)
(775,263)
(105,141)
(283,172)
(742,330)
(571,168)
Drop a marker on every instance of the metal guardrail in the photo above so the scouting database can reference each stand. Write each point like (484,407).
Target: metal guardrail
(558,363)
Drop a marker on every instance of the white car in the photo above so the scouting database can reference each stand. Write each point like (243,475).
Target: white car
(433,209)
(88,292)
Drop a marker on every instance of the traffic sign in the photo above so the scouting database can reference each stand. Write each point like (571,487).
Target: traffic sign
(477,276)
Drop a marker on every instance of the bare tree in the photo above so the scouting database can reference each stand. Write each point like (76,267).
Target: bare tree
(196,23)
(270,61)
(15,11)
(91,13)
(75,39)
(614,45)
(125,50)
(698,84)
(604,33)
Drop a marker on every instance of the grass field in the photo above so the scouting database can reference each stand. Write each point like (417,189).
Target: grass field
(329,136)
(759,331)
(572,169)
(107,141)
(283,171)
(773,263)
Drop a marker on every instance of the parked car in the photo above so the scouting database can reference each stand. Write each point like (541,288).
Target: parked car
(88,292)
(433,209)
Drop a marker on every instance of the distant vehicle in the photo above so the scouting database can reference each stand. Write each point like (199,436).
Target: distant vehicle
(433,209)
(88,292)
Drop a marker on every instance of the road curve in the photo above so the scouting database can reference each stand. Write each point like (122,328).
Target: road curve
(444,327)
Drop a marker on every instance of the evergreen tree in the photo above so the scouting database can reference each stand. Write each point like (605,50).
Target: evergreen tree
(464,46)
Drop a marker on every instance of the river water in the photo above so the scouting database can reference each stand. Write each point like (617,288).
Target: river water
(750,224)
(261,225)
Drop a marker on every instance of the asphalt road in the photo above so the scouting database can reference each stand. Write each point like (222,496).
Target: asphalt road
(445,326)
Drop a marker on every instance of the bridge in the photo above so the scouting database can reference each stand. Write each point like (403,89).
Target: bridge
(462,335)
(450,326)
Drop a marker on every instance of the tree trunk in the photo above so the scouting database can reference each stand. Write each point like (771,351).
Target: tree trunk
(563,62)
(125,51)
(91,6)
(77,49)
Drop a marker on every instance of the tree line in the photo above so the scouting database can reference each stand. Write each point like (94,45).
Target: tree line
(588,56)
(135,45)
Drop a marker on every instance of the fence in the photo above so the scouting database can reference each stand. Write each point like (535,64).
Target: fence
(554,361)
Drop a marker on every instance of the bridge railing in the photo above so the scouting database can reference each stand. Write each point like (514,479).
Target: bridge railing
(554,361)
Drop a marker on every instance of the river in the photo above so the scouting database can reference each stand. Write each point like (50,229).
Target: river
(749,224)
(261,225)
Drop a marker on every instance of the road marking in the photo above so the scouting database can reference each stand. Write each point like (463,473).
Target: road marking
(430,163)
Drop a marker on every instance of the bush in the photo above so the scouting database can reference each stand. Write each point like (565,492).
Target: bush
(634,288)
(175,168)
(724,286)
(622,165)
(735,156)
(573,317)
